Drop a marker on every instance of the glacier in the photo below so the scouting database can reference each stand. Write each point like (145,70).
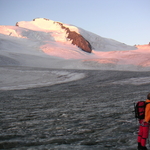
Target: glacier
(42,109)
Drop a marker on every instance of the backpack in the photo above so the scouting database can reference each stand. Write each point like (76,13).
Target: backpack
(139,109)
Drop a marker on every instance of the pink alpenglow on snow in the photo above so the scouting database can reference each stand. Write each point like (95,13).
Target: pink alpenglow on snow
(139,57)
(63,33)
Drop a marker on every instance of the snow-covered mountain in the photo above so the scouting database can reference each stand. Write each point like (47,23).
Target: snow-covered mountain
(46,43)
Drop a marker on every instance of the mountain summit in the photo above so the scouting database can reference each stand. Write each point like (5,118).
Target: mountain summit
(79,37)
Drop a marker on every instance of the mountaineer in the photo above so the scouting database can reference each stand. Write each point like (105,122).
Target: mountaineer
(144,120)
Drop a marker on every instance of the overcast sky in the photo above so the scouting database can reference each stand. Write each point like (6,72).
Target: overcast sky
(127,21)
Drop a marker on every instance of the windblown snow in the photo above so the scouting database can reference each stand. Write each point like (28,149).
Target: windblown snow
(43,43)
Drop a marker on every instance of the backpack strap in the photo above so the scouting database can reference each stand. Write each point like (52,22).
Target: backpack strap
(147,103)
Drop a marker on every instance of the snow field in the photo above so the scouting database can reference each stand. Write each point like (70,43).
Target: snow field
(14,79)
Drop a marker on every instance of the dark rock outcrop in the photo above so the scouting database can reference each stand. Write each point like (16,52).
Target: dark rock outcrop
(17,24)
(77,39)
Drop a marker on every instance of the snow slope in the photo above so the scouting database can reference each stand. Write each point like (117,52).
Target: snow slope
(43,43)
